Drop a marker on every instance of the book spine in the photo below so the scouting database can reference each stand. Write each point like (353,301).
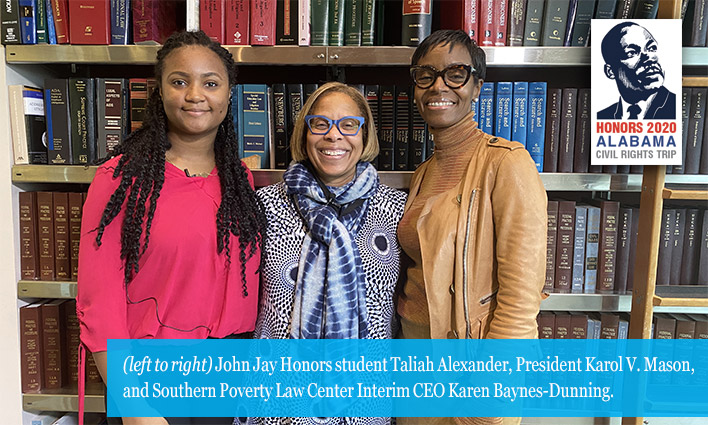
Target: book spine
(685,106)
(110,114)
(501,12)
(78,109)
(579,326)
(535,135)
(60,12)
(237,21)
(371,92)
(28,21)
(703,256)
(236,115)
(592,249)
(20,141)
(691,247)
(352,21)
(90,22)
(633,233)
(40,14)
(262,22)
(486,108)
(570,22)
(29,260)
(486,23)
(546,325)
(401,143)
(554,22)
(255,123)
(503,109)
(583,16)
(698,29)
(564,246)
(519,124)
(144,23)
(645,9)
(607,255)
(35,125)
(609,325)
(581,216)
(192,15)
(296,99)
(470,22)
(212,19)
(45,234)
(10,16)
(696,122)
(624,234)
(336,22)
(138,102)
(517,17)
(581,155)
(54,342)
(280,115)
(551,246)
(562,328)
(387,130)
(416,21)
(31,348)
(75,209)
(62,247)
(668,221)
(418,135)
(566,142)
(703,167)
(72,342)
(605,9)
(534,20)
(553,125)
(368,23)
(624,9)
(56,93)
(120,22)
(678,246)
(51,28)
(303,29)
(320,22)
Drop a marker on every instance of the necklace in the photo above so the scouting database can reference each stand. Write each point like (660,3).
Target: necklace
(203,175)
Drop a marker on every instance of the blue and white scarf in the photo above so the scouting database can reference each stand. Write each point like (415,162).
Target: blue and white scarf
(330,292)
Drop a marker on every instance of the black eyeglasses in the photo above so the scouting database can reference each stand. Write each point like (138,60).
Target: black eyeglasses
(320,125)
(454,76)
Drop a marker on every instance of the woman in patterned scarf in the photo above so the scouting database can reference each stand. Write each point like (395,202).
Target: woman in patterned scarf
(331,260)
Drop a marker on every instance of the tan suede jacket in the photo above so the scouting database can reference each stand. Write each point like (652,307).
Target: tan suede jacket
(483,245)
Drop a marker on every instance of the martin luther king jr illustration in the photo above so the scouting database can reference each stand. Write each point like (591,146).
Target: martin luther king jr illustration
(631,59)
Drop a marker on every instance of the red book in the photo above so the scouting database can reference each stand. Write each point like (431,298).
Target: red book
(262,22)
(29,250)
(470,23)
(237,20)
(31,348)
(501,14)
(486,23)
(60,9)
(73,341)
(211,19)
(75,210)
(54,344)
(89,22)
(154,20)
(460,14)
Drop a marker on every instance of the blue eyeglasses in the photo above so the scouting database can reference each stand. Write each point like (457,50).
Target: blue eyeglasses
(320,125)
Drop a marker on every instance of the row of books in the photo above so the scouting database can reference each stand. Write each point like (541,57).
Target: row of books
(90,21)
(50,230)
(694,103)
(693,13)
(583,325)
(49,347)
(591,248)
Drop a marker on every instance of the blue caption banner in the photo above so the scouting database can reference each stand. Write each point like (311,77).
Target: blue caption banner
(408,378)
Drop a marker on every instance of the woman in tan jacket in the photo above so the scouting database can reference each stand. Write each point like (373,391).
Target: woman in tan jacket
(475,221)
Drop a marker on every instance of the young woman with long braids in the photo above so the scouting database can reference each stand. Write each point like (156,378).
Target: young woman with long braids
(171,230)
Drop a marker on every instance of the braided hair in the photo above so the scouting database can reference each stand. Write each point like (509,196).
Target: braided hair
(141,169)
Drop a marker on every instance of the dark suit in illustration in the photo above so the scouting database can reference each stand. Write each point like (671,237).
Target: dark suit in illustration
(663,107)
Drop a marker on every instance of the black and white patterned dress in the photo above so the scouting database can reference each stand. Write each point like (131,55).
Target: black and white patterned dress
(380,255)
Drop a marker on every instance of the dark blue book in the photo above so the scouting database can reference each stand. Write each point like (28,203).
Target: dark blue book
(120,22)
(486,108)
(536,130)
(475,108)
(503,110)
(583,15)
(28,21)
(570,22)
(255,123)
(51,29)
(403,118)
(237,115)
(520,117)
(581,216)
(58,117)
(280,127)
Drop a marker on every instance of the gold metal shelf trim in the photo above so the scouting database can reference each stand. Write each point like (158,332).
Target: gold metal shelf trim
(45,289)
(57,402)
(700,195)
(680,302)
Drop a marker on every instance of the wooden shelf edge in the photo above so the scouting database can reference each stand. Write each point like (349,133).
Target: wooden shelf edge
(694,81)
(700,195)
(680,302)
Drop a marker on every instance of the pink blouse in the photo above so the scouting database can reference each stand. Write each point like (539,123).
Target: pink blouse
(181,278)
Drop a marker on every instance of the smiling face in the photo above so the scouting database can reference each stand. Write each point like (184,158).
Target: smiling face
(638,68)
(439,105)
(195,93)
(333,155)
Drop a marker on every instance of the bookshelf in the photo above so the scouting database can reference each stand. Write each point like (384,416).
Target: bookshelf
(30,64)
